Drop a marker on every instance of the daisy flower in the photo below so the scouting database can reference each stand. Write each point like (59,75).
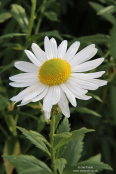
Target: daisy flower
(56,75)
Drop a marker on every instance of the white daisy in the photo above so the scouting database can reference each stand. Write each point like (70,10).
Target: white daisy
(57,74)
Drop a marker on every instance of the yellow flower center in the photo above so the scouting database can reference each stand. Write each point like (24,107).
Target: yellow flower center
(54,71)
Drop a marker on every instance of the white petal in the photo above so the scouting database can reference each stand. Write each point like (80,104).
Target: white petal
(62,49)
(47,114)
(26,66)
(23,84)
(74,87)
(32,58)
(36,92)
(55,94)
(88,65)
(41,95)
(84,97)
(98,82)
(24,103)
(48,48)
(92,54)
(54,47)
(87,76)
(71,51)
(39,53)
(83,55)
(63,103)
(23,93)
(47,101)
(24,77)
(85,84)
(69,94)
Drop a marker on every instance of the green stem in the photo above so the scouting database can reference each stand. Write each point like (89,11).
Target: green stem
(40,18)
(52,143)
(107,54)
(31,18)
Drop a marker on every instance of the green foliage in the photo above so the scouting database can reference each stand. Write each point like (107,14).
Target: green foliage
(113,42)
(36,139)
(60,164)
(51,15)
(75,134)
(4,102)
(28,164)
(86,111)
(4,16)
(113,101)
(97,39)
(18,13)
(73,151)
(58,118)
(109,17)
(93,161)
(12,147)
(63,128)
(12,35)
(110,9)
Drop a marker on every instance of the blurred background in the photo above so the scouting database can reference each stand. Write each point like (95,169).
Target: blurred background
(90,22)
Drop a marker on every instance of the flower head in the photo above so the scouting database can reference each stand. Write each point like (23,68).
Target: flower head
(57,74)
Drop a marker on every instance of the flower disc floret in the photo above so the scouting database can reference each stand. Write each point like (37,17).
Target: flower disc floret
(54,71)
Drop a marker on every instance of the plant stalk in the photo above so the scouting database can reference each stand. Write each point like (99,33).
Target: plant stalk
(40,18)
(31,18)
(52,143)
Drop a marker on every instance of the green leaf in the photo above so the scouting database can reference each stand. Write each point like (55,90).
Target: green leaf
(4,68)
(97,39)
(28,164)
(113,42)
(73,151)
(34,37)
(11,147)
(63,128)
(63,134)
(36,139)
(75,134)
(95,96)
(113,101)
(51,15)
(41,123)
(92,164)
(85,110)
(60,164)
(12,35)
(4,16)
(57,118)
(97,7)
(18,12)
(4,102)
(110,9)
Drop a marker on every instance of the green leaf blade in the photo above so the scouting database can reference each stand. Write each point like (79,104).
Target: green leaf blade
(12,35)
(92,163)
(113,42)
(36,139)
(75,134)
(60,164)
(24,163)
(73,151)
(4,16)
(18,12)
(97,7)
